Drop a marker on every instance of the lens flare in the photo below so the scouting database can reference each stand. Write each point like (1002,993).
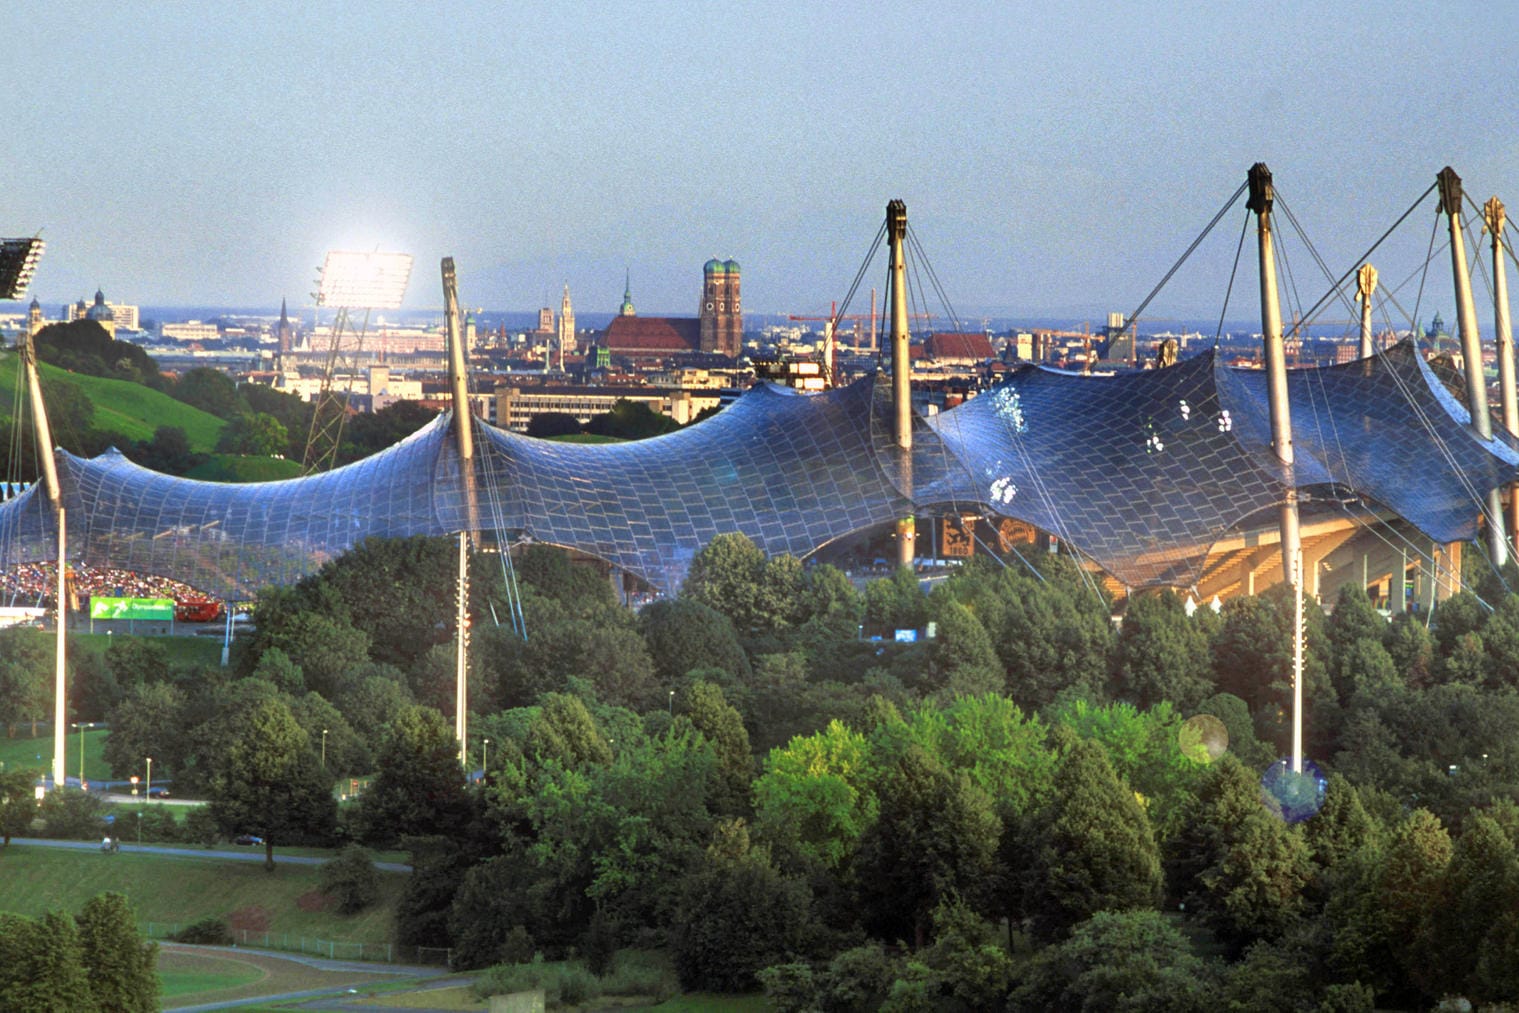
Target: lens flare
(1202,738)
(1299,796)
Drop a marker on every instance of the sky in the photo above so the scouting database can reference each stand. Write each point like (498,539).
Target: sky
(1055,158)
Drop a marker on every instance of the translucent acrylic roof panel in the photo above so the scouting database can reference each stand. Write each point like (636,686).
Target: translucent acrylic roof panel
(1384,428)
(791,471)
(231,539)
(1140,471)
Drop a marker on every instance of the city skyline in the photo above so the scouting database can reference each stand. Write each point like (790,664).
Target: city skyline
(1054,163)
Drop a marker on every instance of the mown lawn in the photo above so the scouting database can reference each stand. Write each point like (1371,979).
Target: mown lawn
(183,890)
(124,407)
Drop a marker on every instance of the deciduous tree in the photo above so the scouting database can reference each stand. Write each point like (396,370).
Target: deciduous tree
(935,837)
(266,781)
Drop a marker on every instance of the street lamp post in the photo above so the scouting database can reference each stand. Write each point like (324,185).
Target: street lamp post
(672,703)
(485,745)
(324,749)
(82,726)
(147,789)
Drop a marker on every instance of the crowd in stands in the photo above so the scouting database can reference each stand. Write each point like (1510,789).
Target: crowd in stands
(37,584)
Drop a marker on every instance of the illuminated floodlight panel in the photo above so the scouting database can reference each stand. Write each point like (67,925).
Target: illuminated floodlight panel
(356,280)
(18,262)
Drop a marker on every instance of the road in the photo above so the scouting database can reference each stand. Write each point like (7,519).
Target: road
(254,854)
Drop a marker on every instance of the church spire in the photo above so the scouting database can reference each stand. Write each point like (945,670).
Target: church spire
(626,309)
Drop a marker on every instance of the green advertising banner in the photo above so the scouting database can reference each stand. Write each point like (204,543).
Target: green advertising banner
(161,609)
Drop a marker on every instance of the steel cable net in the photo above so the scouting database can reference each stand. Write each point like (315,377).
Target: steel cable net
(1141,472)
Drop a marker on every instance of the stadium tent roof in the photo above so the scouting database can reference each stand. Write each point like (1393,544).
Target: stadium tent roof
(1141,472)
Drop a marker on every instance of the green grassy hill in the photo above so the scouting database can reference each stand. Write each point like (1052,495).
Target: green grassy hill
(169,890)
(127,408)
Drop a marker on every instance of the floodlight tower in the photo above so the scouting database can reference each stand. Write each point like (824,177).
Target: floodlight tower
(18,262)
(355,283)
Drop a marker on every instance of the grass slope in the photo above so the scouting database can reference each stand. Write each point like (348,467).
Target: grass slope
(183,890)
(124,407)
(234,468)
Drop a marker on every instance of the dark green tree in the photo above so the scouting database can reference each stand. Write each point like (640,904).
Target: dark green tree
(418,788)
(1453,619)
(490,902)
(738,914)
(1235,864)
(1352,620)
(703,705)
(84,346)
(895,603)
(1094,850)
(685,635)
(1161,654)
(18,804)
(149,721)
(137,661)
(1053,636)
(267,781)
(1119,960)
(25,678)
(377,694)
(212,391)
(120,964)
(935,837)
(1390,924)
(726,575)
(1412,649)
(168,451)
(1476,922)
(255,434)
(963,660)
(42,966)
(547,570)
(351,879)
(1342,826)
(547,425)
(631,420)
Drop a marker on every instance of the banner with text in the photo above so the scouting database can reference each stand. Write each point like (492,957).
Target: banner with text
(161,609)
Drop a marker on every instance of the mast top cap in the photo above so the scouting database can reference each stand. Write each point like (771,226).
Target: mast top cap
(1262,193)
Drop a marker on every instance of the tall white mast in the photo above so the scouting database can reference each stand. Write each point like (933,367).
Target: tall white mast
(901,374)
(1261,196)
(1494,219)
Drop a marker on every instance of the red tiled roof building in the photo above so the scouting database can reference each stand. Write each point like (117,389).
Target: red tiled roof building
(719,328)
(948,346)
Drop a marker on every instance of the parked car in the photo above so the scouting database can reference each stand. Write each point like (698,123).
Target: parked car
(158,792)
(247,839)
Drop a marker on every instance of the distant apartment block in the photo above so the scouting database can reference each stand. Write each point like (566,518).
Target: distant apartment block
(516,406)
(190,330)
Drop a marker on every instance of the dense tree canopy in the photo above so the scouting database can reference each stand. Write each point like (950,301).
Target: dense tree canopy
(650,774)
